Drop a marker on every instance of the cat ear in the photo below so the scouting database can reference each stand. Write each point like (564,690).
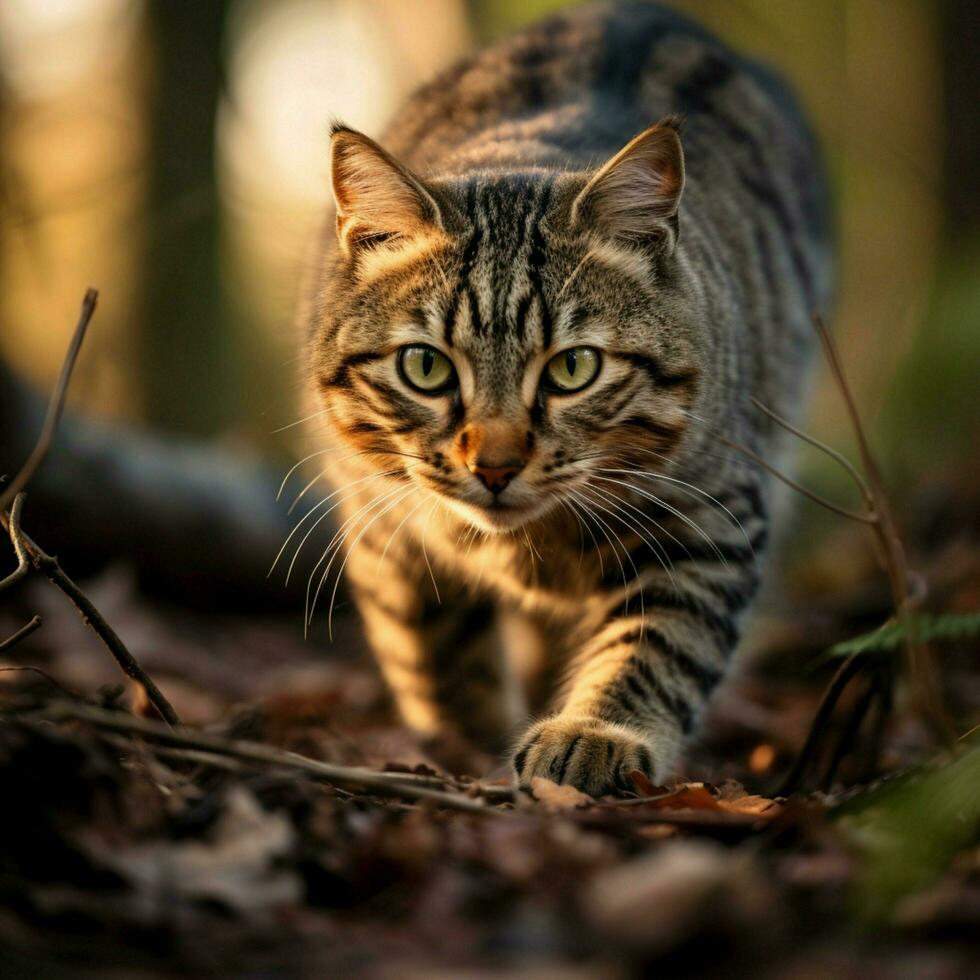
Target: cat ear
(634,197)
(377,198)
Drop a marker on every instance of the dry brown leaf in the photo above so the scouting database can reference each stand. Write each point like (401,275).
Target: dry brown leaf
(732,797)
(642,785)
(551,794)
(758,806)
(688,796)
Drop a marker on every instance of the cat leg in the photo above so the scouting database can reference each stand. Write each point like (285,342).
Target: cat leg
(635,688)
(440,654)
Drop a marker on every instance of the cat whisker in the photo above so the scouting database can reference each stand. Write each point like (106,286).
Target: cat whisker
(335,543)
(319,476)
(653,498)
(340,571)
(564,504)
(607,531)
(425,554)
(320,519)
(283,428)
(394,533)
(689,488)
(582,523)
(657,548)
(315,508)
(299,463)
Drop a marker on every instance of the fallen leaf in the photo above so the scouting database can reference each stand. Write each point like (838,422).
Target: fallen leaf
(732,797)
(551,794)
(688,796)
(240,867)
(642,785)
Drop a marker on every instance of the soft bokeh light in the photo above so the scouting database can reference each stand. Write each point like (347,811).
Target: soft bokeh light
(78,103)
(49,46)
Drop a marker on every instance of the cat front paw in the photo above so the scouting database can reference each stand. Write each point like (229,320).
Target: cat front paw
(593,755)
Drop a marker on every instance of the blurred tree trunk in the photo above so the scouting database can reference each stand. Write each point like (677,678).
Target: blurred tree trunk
(184,347)
(961,44)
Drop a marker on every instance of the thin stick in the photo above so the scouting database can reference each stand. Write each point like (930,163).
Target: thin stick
(55,406)
(21,634)
(49,567)
(799,488)
(832,695)
(389,784)
(488,793)
(53,681)
(919,662)
(22,561)
(848,735)
(823,447)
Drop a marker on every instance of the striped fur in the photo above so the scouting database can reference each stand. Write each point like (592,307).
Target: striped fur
(514,214)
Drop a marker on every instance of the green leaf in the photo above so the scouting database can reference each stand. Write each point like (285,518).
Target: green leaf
(909,832)
(948,626)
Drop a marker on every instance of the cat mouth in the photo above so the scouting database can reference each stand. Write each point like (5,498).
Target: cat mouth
(500,516)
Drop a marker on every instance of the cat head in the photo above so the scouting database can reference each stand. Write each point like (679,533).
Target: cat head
(501,338)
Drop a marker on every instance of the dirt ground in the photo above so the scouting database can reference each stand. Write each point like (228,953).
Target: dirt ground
(123,855)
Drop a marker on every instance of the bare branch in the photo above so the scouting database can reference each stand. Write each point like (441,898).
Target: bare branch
(799,488)
(22,561)
(847,670)
(403,785)
(919,661)
(56,405)
(21,634)
(49,567)
(823,447)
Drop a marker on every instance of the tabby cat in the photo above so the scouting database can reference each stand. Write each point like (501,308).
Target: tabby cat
(534,340)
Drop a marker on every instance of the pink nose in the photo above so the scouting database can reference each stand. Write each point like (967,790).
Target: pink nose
(495,478)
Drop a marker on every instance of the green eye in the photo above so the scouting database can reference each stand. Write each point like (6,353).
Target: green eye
(426,370)
(572,369)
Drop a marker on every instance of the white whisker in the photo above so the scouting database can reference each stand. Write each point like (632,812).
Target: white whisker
(603,526)
(696,490)
(425,554)
(336,542)
(340,571)
(282,428)
(656,546)
(653,498)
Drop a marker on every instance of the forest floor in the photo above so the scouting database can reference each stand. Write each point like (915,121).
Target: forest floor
(123,854)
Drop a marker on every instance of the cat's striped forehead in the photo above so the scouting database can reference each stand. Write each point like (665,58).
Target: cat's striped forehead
(507,279)
(497,300)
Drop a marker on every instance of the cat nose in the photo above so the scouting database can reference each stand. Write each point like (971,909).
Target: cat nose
(495,477)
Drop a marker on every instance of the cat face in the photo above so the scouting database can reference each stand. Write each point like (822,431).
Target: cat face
(501,339)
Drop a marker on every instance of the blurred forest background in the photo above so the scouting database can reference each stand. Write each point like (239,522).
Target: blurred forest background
(174,154)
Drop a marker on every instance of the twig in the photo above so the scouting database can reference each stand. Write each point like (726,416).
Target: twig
(15,539)
(25,548)
(852,515)
(21,634)
(906,591)
(53,681)
(848,734)
(49,567)
(55,406)
(403,785)
(824,448)
(920,665)
(832,695)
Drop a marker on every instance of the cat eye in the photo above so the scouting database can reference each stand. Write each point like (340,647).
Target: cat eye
(425,369)
(571,370)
